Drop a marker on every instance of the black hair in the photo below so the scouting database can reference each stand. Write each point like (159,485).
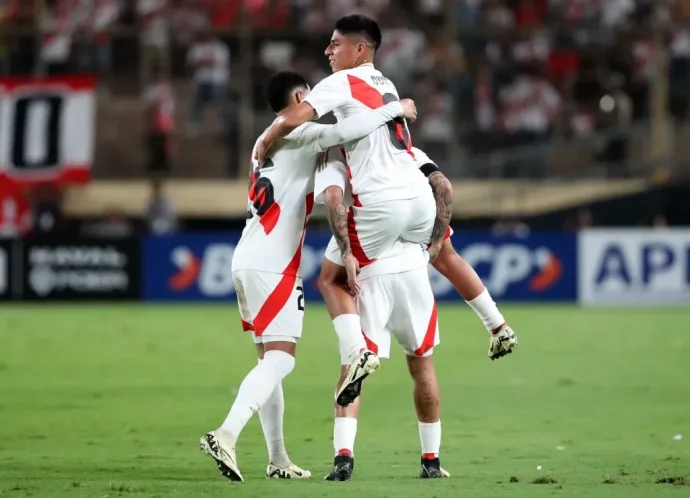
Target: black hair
(361,25)
(280,87)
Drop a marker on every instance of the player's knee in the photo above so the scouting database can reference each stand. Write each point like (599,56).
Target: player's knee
(283,363)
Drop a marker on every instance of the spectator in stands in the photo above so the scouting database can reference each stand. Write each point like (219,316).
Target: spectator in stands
(103,14)
(160,213)
(531,108)
(159,122)
(209,60)
(155,37)
(46,203)
(57,29)
(8,10)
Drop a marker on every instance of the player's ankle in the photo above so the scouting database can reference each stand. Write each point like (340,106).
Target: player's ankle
(345,452)
(429,456)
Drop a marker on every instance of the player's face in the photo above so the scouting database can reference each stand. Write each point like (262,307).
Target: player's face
(344,52)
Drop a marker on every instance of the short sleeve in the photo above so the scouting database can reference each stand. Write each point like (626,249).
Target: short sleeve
(329,93)
(333,174)
(421,158)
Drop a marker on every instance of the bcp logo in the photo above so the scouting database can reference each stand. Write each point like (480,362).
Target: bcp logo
(210,273)
(504,265)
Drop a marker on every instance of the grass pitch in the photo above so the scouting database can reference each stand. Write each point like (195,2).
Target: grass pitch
(110,401)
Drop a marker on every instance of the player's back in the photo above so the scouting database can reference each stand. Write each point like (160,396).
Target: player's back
(280,199)
(381,166)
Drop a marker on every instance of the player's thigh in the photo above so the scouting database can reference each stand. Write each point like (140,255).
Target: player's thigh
(415,319)
(375,306)
(275,303)
(374,229)
(421,220)
(333,253)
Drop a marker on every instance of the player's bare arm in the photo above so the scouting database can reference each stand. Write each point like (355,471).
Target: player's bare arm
(336,213)
(443,193)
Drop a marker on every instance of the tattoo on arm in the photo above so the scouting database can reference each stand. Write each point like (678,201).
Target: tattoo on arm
(443,193)
(337,219)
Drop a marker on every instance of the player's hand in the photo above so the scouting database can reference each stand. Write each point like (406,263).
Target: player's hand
(434,249)
(262,149)
(352,269)
(409,109)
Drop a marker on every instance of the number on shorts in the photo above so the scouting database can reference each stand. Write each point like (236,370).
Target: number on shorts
(397,128)
(261,193)
(300,298)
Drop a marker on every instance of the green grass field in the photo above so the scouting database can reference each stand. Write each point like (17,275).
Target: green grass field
(106,401)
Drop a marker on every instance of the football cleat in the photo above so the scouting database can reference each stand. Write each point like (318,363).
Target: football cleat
(366,362)
(343,465)
(431,469)
(223,453)
(290,472)
(502,342)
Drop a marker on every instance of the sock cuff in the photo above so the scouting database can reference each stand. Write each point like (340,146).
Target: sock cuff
(346,421)
(429,424)
(482,295)
(348,319)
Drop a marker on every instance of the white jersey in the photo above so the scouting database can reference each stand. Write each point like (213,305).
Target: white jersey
(380,166)
(281,191)
(402,256)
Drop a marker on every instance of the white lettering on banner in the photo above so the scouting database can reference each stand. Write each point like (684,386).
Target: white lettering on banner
(85,268)
(46,128)
(510,263)
(3,271)
(633,267)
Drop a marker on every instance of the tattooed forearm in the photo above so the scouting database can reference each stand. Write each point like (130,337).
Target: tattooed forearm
(443,193)
(336,212)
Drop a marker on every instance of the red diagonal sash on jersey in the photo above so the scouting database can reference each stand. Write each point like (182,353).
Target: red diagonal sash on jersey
(280,295)
(370,97)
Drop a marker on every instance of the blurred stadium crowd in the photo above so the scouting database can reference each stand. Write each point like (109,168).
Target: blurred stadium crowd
(487,75)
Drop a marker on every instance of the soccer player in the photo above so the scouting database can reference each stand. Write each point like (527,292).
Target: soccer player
(331,187)
(396,299)
(266,269)
(391,199)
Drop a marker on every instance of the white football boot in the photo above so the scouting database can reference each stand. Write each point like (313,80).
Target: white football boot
(290,472)
(366,362)
(502,342)
(223,452)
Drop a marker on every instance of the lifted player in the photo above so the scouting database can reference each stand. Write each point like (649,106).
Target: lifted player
(266,269)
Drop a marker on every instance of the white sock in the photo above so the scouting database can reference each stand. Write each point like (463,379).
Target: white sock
(344,432)
(271,415)
(487,311)
(430,436)
(349,330)
(255,390)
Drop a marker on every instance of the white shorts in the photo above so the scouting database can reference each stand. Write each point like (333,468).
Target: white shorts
(401,305)
(271,305)
(374,229)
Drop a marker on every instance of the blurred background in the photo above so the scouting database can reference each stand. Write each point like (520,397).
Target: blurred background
(131,117)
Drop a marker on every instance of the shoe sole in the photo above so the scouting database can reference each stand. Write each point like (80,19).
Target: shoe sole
(226,471)
(349,392)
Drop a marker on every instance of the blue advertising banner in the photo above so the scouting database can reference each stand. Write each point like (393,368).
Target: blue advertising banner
(197,267)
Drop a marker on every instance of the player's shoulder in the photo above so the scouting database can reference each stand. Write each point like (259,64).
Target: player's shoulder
(337,78)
